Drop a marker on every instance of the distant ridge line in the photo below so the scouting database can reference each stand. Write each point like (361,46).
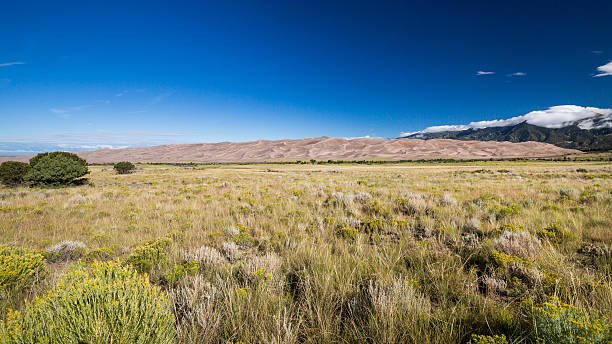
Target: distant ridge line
(322,148)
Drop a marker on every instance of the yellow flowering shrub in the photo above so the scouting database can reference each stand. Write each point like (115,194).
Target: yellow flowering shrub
(482,339)
(19,267)
(103,303)
(560,323)
(262,275)
(146,256)
(555,233)
(103,253)
(179,272)
(347,232)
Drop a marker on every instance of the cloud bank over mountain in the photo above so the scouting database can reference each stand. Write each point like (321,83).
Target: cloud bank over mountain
(553,117)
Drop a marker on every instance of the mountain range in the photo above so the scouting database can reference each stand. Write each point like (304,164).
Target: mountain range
(591,133)
(322,148)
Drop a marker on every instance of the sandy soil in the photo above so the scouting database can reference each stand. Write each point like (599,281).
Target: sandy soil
(322,148)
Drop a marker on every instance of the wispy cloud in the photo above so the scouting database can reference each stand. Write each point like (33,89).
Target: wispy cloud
(137,111)
(605,70)
(120,94)
(6,64)
(67,112)
(15,151)
(480,72)
(161,97)
(88,140)
(103,137)
(597,52)
(517,74)
(73,146)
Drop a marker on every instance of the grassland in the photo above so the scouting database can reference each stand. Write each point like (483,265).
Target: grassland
(338,253)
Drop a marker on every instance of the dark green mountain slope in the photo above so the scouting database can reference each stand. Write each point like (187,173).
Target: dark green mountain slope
(566,137)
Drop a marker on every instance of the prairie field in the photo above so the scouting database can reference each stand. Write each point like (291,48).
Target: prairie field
(346,253)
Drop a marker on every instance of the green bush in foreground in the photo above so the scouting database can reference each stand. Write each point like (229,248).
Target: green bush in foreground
(104,303)
(559,323)
(124,167)
(56,168)
(19,267)
(12,172)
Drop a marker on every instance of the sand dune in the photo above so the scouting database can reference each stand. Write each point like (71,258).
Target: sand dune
(322,148)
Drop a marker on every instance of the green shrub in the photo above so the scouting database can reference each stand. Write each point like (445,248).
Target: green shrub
(243,237)
(19,267)
(505,211)
(57,168)
(124,167)
(372,225)
(555,233)
(180,271)
(145,257)
(103,253)
(560,323)
(482,339)
(104,303)
(12,172)
(347,232)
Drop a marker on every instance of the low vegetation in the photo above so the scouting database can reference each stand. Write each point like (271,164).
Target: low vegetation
(480,252)
(45,169)
(12,173)
(101,303)
(124,167)
(55,169)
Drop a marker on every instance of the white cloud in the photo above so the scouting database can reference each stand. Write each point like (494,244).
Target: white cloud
(480,72)
(605,69)
(89,140)
(16,151)
(6,64)
(72,146)
(517,74)
(126,137)
(360,137)
(553,117)
(597,52)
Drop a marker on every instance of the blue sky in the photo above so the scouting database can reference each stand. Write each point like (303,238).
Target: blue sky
(110,73)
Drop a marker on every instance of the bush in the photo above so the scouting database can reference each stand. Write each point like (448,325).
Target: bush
(482,339)
(66,250)
(19,267)
(560,323)
(124,167)
(56,168)
(145,257)
(12,172)
(555,234)
(103,253)
(518,243)
(179,272)
(104,303)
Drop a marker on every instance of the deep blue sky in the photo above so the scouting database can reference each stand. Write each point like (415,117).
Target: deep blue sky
(153,72)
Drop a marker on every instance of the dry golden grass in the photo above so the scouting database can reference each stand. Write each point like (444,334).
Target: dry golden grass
(344,253)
